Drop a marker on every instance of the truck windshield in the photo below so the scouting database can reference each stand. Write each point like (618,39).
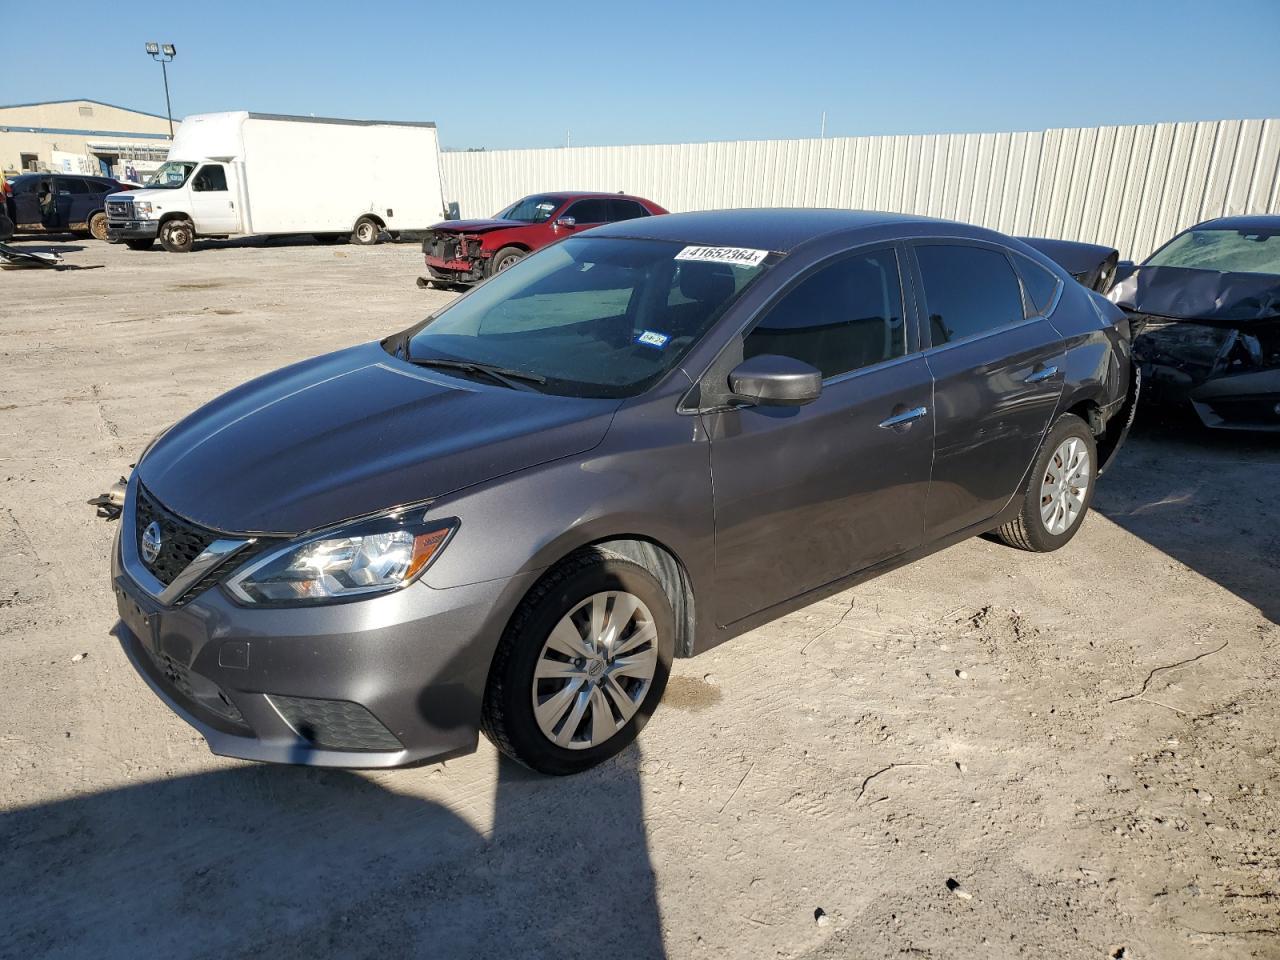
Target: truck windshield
(171,175)
(1227,251)
(592,317)
(530,210)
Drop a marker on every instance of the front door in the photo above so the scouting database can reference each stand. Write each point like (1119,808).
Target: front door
(806,495)
(997,369)
(213,201)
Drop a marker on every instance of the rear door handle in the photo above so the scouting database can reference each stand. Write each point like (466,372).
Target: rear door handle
(1041,375)
(907,416)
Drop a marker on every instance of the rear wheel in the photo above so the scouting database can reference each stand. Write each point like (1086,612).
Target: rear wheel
(98,226)
(366,232)
(146,244)
(177,236)
(1059,490)
(582,665)
(505,258)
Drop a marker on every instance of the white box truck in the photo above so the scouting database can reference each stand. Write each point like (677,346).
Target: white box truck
(239,174)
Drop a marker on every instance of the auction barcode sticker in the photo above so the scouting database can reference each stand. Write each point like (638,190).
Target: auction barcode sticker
(735,256)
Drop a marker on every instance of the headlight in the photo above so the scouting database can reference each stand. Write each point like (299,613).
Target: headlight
(141,208)
(373,556)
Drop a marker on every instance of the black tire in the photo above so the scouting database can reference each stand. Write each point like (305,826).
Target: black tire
(1028,531)
(505,258)
(366,232)
(328,239)
(98,226)
(177,236)
(508,720)
(6,228)
(145,244)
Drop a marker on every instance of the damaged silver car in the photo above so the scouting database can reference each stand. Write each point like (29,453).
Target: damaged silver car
(1206,311)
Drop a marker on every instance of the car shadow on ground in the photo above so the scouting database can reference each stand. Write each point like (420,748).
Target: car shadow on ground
(1206,498)
(295,862)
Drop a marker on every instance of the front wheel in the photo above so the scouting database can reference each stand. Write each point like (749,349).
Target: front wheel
(366,232)
(1059,490)
(98,226)
(582,665)
(177,236)
(504,259)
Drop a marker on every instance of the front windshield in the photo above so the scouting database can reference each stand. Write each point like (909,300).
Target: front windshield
(170,175)
(1227,251)
(597,317)
(530,210)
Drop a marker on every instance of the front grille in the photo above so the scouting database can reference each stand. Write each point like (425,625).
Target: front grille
(336,724)
(443,245)
(122,209)
(181,541)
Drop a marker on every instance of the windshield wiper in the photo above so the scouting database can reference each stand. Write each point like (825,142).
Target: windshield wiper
(503,375)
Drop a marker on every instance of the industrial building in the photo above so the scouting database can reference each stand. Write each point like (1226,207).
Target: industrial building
(81,136)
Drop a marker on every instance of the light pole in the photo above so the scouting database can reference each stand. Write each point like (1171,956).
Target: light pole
(164,52)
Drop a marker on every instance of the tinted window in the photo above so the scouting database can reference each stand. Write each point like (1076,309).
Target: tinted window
(1041,285)
(589,211)
(72,185)
(967,290)
(210,177)
(626,210)
(845,316)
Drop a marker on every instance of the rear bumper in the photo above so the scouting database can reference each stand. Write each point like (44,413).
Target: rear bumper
(132,229)
(382,682)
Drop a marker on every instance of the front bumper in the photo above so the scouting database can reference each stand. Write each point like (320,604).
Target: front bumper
(455,271)
(382,682)
(132,229)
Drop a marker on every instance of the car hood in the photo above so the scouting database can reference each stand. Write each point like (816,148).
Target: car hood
(351,434)
(1182,293)
(476,226)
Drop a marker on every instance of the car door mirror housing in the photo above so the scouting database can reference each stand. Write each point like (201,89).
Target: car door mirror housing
(566,222)
(775,381)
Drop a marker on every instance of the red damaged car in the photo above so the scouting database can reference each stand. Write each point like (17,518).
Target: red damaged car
(468,251)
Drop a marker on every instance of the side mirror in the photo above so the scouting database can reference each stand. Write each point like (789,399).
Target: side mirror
(1124,270)
(565,222)
(774,381)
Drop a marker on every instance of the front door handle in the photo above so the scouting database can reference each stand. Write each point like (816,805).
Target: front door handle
(1041,375)
(907,416)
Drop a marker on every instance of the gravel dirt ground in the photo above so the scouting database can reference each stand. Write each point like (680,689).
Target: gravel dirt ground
(986,754)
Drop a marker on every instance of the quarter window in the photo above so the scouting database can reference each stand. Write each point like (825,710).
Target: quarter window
(1041,285)
(968,290)
(846,316)
(210,177)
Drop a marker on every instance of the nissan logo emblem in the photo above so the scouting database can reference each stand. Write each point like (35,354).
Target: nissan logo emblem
(151,542)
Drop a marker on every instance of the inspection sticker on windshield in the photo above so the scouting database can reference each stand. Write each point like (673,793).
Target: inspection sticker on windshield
(735,256)
(651,338)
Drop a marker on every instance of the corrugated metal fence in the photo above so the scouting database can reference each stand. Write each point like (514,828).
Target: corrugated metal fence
(1129,187)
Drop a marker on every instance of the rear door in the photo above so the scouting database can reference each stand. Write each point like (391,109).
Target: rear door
(807,495)
(998,373)
(213,202)
(587,213)
(82,194)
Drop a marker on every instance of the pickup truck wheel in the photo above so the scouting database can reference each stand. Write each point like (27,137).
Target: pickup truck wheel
(140,244)
(98,226)
(505,258)
(581,666)
(176,236)
(366,232)
(1059,489)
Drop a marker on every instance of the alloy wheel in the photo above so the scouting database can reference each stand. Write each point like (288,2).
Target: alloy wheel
(1065,486)
(595,669)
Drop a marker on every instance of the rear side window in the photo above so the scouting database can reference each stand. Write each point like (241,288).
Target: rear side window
(626,210)
(210,177)
(845,316)
(589,211)
(967,290)
(1041,285)
(72,185)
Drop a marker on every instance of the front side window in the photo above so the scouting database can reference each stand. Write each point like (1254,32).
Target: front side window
(170,175)
(967,290)
(530,210)
(211,177)
(1226,251)
(595,317)
(845,316)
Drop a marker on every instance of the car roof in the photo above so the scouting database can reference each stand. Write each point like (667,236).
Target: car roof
(561,196)
(1257,221)
(780,229)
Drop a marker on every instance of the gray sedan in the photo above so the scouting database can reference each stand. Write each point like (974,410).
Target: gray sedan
(629,447)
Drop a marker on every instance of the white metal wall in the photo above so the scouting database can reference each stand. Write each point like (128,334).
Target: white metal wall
(1129,187)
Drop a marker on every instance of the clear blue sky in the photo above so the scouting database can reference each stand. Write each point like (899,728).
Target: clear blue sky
(497,74)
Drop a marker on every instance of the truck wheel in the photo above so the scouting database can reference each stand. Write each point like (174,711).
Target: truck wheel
(98,226)
(366,232)
(6,227)
(581,666)
(146,244)
(176,236)
(1059,489)
(505,258)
